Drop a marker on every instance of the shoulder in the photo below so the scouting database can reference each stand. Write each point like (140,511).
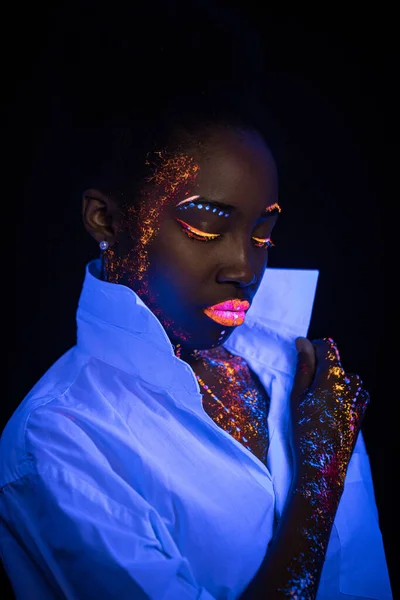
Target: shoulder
(44,417)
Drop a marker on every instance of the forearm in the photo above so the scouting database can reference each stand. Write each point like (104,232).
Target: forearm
(294,559)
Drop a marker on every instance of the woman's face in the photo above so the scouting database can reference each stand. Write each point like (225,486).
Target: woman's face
(201,237)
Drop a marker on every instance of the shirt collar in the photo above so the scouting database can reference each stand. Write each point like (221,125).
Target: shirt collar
(115,326)
(281,311)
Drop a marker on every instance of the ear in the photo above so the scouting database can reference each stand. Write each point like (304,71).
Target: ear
(99,213)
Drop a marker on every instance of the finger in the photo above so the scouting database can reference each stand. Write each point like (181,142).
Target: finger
(354,383)
(360,403)
(328,359)
(305,369)
(306,351)
(360,397)
(357,413)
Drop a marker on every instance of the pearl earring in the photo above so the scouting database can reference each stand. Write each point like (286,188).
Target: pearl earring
(103,271)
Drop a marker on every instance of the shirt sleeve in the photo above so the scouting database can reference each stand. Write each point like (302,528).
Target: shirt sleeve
(91,534)
(355,565)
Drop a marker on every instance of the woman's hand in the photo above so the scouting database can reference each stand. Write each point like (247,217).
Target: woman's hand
(328,407)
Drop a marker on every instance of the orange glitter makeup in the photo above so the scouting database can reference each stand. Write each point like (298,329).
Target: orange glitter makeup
(327,459)
(241,409)
(171,175)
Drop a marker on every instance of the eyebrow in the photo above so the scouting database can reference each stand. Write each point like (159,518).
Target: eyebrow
(269,211)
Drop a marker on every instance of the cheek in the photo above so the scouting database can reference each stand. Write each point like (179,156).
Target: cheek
(176,268)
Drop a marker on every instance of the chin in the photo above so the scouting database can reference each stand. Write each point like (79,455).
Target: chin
(211,342)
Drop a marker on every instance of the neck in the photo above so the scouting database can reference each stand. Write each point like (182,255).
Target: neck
(191,355)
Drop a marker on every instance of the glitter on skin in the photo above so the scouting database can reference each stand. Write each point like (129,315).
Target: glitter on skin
(174,171)
(329,459)
(347,411)
(173,174)
(240,409)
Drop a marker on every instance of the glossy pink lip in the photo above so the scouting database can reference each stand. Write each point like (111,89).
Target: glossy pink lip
(232,305)
(229,313)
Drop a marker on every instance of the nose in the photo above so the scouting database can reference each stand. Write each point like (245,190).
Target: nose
(238,269)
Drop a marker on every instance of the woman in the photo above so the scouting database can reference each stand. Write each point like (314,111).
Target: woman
(164,456)
(194,443)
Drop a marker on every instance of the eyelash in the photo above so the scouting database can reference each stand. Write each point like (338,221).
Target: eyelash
(195,234)
(263,242)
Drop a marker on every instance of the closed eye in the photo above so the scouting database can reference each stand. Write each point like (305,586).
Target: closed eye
(201,236)
(263,242)
(196,234)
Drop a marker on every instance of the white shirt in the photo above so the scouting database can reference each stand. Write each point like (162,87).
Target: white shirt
(116,484)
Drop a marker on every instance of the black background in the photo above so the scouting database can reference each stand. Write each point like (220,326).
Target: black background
(327,74)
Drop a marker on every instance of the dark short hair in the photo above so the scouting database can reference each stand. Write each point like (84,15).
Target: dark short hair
(128,78)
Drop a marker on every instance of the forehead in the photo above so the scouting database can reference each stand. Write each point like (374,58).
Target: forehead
(236,165)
